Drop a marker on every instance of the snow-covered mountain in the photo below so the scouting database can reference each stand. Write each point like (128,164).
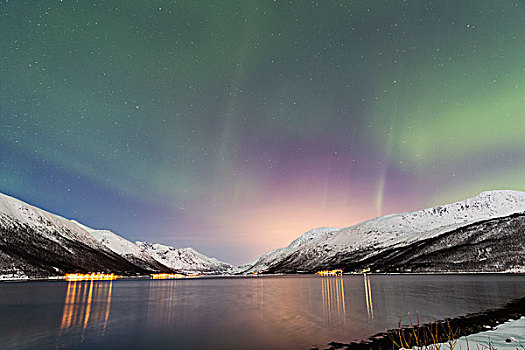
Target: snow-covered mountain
(184,259)
(49,225)
(128,250)
(34,242)
(356,246)
(264,262)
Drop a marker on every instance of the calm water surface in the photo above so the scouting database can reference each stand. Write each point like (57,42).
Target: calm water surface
(288,312)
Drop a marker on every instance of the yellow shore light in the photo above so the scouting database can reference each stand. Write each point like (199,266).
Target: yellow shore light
(94,276)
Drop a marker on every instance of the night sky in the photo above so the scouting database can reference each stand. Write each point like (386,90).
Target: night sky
(235,126)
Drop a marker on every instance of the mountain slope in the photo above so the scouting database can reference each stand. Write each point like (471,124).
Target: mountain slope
(184,259)
(36,243)
(125,248)
(369,243)
(491,246)
(265,262)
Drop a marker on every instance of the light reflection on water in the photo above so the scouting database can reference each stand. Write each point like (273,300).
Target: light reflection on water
(368,297)
(334,302)
(292,312)
(86,303)
(161,301)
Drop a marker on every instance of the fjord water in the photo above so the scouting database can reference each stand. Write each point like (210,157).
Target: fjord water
(281,312)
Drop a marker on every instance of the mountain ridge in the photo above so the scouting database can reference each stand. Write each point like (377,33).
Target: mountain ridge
(184,259)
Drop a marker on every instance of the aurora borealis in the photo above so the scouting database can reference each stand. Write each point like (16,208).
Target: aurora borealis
(235,126)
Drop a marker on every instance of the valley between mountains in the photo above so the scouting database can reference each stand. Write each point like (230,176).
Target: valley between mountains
(485,233)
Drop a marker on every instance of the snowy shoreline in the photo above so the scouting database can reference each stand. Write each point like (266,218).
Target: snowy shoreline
(508,335)
(505,327)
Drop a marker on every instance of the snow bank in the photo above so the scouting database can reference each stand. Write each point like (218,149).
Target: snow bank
(507,336)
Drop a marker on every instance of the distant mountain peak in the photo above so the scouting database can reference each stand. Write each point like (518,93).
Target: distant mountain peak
(184,259)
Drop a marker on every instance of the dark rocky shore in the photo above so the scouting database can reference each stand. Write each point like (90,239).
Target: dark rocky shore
(459,326)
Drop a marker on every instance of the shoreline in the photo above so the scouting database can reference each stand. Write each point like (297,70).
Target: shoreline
(462,326)
(22,278)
